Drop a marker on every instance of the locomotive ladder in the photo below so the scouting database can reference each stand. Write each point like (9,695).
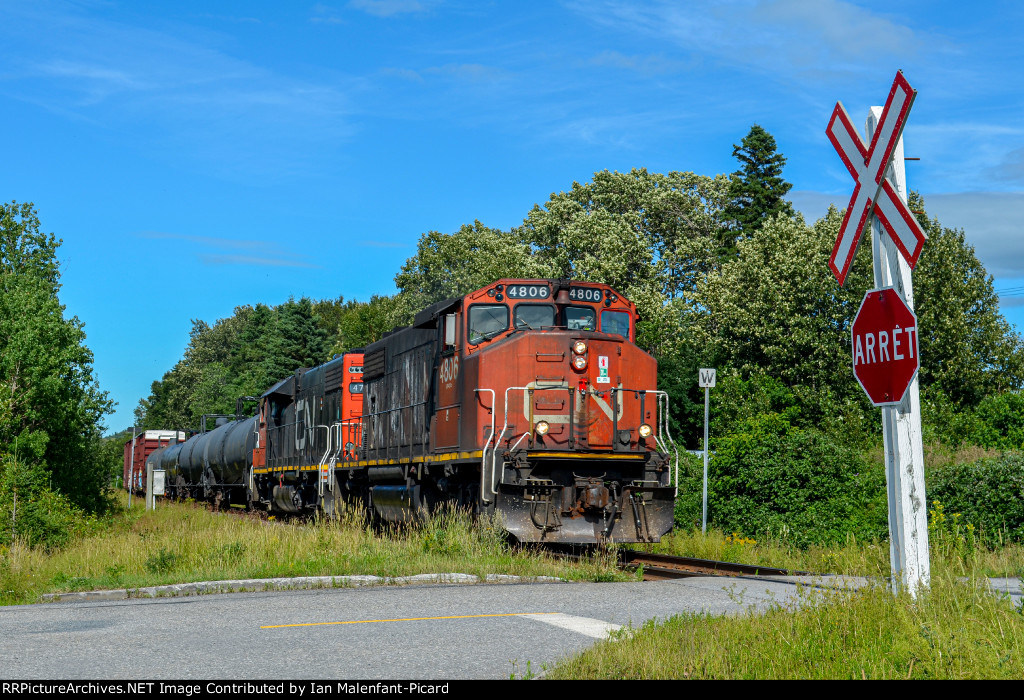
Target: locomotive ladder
(325,467)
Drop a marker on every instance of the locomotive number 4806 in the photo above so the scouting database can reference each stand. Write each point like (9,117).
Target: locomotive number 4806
(584,294)
(527,291)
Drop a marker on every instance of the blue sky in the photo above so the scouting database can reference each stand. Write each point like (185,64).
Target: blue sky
(196,156)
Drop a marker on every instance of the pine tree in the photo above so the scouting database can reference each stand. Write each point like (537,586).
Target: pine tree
(756,190)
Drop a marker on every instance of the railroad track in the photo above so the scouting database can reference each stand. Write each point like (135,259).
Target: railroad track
(663,567)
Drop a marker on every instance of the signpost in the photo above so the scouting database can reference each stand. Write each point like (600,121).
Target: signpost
(705,380)
(886,320)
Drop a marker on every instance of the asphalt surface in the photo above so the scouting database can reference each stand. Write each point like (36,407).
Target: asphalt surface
(424,631)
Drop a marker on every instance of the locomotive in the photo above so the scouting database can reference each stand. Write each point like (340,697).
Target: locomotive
(525,399)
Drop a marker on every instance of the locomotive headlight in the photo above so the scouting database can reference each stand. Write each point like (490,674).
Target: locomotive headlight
(644,430)
(542,427)
(579,347)
(579,362)
(349,445)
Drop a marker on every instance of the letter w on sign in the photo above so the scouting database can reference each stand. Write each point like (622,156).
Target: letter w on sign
(873,193)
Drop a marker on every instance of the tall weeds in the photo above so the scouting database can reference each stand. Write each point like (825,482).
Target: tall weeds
(957,629)
(182,542)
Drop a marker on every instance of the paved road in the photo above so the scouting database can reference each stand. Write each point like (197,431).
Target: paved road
(434,631)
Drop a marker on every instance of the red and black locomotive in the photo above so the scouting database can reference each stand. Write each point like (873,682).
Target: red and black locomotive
(526,399)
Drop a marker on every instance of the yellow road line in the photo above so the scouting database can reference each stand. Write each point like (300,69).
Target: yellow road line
(400,619)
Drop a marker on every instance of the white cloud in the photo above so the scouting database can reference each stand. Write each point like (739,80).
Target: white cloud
(789,39)
(991,222)
(239,251)
(207,104)
(387,8)
(646,66)
(1011,169)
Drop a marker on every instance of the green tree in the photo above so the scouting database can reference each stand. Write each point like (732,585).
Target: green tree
(299,340)
(776,310)
(360,323)
(449,265)
(249,369)
(651,236)
(968,350)
(51,407)
(756,191)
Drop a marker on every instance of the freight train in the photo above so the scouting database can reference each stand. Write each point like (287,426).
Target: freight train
(526,399)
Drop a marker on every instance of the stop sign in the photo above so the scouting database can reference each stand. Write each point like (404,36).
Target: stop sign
(885,357)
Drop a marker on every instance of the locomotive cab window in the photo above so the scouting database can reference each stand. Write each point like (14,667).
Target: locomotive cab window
(486,321)
(533,316)
(580,318)
(616,323)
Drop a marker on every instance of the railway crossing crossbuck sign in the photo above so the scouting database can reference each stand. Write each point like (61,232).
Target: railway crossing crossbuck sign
(885,357)
(873,192)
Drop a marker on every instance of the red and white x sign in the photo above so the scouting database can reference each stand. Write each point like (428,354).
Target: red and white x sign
(873,192)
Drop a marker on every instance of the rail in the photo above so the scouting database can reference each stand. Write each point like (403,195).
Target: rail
(663,567)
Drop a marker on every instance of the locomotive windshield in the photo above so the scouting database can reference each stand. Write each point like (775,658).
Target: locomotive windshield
(486,321)
(615,322)
(534,316)
(580,318)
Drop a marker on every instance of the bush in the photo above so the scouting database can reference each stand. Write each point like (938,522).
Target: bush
(30,511)
(987,493)
(771,478)
(735,401)
(996,422)
(999,422)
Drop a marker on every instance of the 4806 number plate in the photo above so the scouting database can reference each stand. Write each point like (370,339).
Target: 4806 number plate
(527,291)
(585,294)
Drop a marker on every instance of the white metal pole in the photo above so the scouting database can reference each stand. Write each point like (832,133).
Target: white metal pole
(704,518)
(901,425)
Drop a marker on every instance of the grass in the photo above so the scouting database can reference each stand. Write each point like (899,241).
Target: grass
(179,543)
(957,629)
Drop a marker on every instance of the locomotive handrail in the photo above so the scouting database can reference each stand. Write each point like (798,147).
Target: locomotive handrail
(513,448)
(490,436)
(501,436)
(320,466)
(355,425)
(663,437)
(387,448)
